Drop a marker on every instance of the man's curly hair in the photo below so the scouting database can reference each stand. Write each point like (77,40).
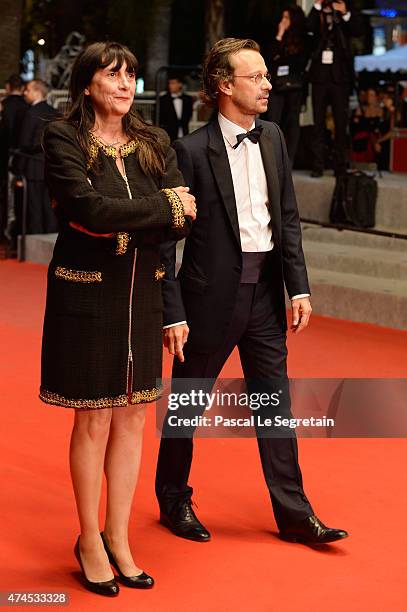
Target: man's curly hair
(217,66)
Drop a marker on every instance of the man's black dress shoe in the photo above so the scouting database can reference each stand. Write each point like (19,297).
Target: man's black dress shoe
(311,531)
(184,523)
(316,173)
(109,588)
(142,581)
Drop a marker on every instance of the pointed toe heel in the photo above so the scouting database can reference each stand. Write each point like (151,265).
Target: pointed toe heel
(108,588)
(142,581)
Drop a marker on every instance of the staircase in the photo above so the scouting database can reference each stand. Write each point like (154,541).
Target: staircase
(355,276)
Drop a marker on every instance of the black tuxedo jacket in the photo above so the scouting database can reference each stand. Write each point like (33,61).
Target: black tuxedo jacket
(168,117)
(30,142)
(205,290)
(341,71)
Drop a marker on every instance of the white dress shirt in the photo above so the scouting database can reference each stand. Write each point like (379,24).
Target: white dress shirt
(250,187)
(251,193)
(178,106)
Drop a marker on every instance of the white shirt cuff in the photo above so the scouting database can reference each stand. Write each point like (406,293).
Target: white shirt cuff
(346,16)
(174,324)
(300,295)
(318,6)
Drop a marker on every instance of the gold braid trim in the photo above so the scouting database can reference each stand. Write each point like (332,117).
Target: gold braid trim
(49,397)
(177,209)
(96,144)
(78,276)
(137,397)
(123,240)
(128,148)
(148,395)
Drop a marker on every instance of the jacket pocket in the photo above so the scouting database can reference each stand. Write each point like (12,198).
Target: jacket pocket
(75,293)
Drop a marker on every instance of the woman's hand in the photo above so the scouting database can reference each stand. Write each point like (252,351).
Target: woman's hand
(188,201)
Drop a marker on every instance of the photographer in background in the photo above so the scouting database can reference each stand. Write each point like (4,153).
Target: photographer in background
(288,59)
(332,25)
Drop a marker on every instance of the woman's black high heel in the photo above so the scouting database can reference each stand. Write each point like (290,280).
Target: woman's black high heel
(142,581)
(109,588)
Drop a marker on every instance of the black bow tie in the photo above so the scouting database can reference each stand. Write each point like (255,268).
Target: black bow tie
(253,135)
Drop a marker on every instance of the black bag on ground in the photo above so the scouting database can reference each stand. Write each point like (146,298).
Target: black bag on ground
(354,200)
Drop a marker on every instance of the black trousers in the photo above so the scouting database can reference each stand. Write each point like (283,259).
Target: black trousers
(257,328)
(41,218)
(284,109)
(336,94)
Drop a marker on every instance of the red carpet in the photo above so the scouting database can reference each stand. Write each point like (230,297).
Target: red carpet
(359,485)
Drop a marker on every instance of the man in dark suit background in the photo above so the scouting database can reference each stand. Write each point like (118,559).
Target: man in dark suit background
(40,217)
(13,109)
(331,25)
(175,109)
(244,247)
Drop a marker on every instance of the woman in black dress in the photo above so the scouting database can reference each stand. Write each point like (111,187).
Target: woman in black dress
(118,194)
(289,56)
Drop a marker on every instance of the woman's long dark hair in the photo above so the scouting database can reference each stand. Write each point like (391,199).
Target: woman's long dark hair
(80,110)
(294,37)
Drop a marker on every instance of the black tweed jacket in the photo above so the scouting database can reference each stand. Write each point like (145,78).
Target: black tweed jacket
(103,321)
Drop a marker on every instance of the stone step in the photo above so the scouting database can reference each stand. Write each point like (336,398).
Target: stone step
(314,198)
(380,301)
(317,233)
(365,261)
(38,247)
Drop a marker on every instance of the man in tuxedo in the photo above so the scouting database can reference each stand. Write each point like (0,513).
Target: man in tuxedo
(175,109)
(245,245)
(40,217)
(331,26)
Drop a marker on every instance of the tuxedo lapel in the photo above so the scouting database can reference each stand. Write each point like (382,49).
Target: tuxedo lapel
(273,184)
(219,162)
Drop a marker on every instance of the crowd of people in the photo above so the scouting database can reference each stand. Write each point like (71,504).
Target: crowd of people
(306,51)
(24,114)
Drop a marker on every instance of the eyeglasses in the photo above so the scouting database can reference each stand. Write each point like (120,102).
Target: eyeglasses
(256,78)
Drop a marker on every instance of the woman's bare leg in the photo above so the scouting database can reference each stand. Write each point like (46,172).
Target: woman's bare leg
(87,453)
(122,465)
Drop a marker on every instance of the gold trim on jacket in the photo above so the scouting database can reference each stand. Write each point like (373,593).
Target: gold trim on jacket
(78,276)
(137,397)
(96,144)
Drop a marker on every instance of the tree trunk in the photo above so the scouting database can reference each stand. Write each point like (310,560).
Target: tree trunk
(158,44)
(10,26)
(214,22)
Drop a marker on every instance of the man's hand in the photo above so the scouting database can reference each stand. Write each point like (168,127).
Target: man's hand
(174,339)
(187,200)
(282,27)
(301,312)
(340,6)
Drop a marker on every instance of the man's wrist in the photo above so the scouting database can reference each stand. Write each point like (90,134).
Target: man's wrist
(299,296)
(174,324)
